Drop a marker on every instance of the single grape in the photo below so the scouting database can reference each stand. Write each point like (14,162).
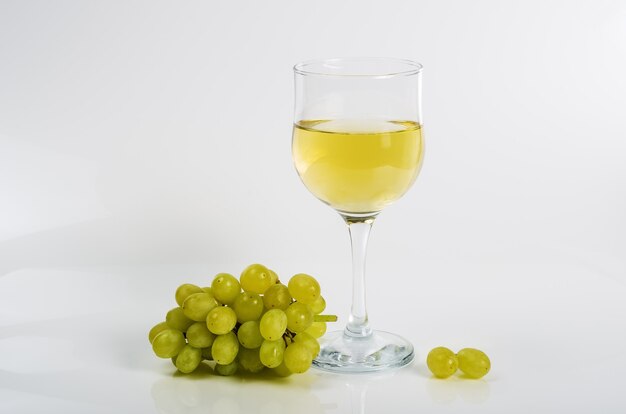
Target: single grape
(199,336)
(207,290)
(297,358)
(304,288)
(442,362)
(271,353)
(273,276)
(185,290)
(249,335)
(197,306)
(221,320)
(225,348)
(176,319)
(228,369)
(188,359)
(249,360)
(473,363)
(225,288)
(256,278)
(317,329)
(277,297)
(248,307)
(273,324)
(206,353)
(311,343)
(282,370)
(299,317)
(319,305)
(157,329)
(168,343)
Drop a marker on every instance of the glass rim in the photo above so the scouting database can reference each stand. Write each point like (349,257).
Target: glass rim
(410,67)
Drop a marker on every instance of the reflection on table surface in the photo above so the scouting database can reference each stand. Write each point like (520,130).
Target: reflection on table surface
(206,392)
(312,393)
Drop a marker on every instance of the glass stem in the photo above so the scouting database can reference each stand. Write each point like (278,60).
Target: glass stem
(359,227)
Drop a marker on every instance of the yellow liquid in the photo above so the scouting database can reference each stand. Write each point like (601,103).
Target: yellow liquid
(358,166)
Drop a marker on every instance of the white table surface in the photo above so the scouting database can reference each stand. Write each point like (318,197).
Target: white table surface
(73,340)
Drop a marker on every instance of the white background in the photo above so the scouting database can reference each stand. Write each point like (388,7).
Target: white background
(143,144)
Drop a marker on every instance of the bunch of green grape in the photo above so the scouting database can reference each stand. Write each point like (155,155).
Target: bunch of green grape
(249,324)
(442,362)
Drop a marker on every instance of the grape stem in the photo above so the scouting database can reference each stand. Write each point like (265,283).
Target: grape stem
(325,318)
(288,337)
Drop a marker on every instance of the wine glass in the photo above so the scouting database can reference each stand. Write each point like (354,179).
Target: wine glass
(357,146)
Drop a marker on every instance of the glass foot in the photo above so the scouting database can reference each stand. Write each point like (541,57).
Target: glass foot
(380,351)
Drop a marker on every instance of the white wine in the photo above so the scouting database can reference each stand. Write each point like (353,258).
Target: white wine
(358,166)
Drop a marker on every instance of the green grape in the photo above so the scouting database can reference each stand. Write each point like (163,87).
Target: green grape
(225,348)
(304,288)
(188,359)
(168,343)
(248,307)
(273,324)
(206,353)
(273,276)
(317,329)
(256,278)
(225,288)
(277,297)
(157,329)
(297,358)
(442,362)
(221,320)
(197,306)
(228,369)
(271,353)
(176,319)
(244,330)
(299,317)
(199,336)
(282,370)
(473,363)
(185,290)
(318,306)
(249,335)
(249,360)
(311,343)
